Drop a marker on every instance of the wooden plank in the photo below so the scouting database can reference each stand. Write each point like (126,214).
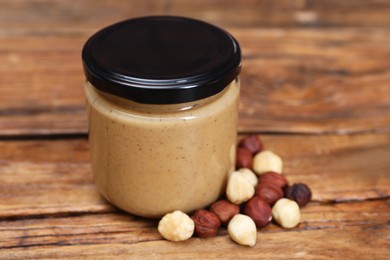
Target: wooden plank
(47,177)
(346,230)
(315,81)
(286,13)
(56,17)
(309,67)
(47,17)
(293,81)
(54,177)
(337,168)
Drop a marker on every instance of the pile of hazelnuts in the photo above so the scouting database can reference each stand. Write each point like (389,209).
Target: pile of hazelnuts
(256,193)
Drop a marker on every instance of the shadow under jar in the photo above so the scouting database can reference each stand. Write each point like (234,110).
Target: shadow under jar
(162,97)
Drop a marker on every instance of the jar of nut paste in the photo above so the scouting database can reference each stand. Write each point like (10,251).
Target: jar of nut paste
(162,98)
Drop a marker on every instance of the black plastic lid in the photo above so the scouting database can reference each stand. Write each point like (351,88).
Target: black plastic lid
(161,59)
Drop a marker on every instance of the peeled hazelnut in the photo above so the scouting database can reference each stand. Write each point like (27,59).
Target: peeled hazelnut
(249,175)
(242,230)
(300,193)
(225,210)
(252,143)
(274,178)
(258,210)
(270,193)
(176,226)
(267,161)
(244,158)
(206,222)
(286,213)
(239,189)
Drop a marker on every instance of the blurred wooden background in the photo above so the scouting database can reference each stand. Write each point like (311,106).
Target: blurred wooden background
(315,85)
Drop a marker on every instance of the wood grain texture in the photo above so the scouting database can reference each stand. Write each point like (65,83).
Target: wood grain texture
(56,17)
(293,81)
(49,177)
(54,177)
(309,67)
(315,81)
(351,230)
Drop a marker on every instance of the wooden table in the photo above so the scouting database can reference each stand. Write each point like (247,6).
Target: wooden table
(315,86)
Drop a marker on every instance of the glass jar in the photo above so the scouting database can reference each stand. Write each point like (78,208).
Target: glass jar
(162,97)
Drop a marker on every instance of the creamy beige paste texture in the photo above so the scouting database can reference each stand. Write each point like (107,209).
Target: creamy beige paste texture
(153,159)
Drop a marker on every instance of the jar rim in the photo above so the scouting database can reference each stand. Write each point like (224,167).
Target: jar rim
(161,59)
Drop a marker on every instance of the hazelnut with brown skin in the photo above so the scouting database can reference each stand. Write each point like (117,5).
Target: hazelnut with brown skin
(225,210)
(258,210)
(206,222)
(252,143)
(299,192)
(244,158)
(269,192)
(274,178)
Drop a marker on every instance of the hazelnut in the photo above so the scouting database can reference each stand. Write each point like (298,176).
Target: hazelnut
(267,161)
(225,210)
(176,226)
(249,175)
(244,158)
(269,192)
(300,193)
(242,230)
(252,143)
(239,189)
(286,213)
(274,178)
(206,222)
(258,210)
